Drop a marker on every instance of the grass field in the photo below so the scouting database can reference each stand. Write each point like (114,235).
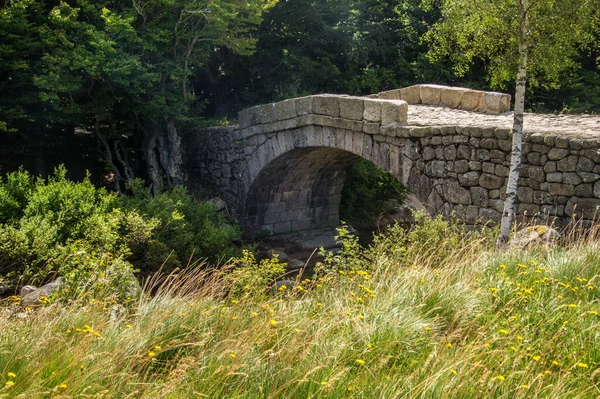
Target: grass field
(442,317)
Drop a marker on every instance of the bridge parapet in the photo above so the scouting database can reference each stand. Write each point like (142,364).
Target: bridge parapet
(452,97)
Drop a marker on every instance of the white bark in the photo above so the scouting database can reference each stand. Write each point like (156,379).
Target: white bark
(517,131)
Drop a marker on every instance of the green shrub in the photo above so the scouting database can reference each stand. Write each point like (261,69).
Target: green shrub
(252,278)
(368,192)
(94,239)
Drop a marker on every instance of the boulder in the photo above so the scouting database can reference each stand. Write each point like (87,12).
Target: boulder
(219,204)
(27,290)
(534,236)
(33,298)
(282,256)
(295,264)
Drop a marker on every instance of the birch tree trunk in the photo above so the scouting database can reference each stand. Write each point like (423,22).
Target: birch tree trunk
(517,130)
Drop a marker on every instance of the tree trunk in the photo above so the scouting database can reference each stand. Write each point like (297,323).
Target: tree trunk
(517,135)
(152,166)
(171,155)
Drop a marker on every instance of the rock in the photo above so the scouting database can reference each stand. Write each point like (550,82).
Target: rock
(533,236)
(33,298)
(27,290)
(294,264)
(219,204)
(282,256)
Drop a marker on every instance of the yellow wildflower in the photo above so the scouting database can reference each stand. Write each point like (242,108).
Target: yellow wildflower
(232,355)
(536,358)
(449,345)
(360,361)
(151,354)
(9,383)
(63,386)
(453,371)
(11,375)
(500,378)
(158,347)
(583,365)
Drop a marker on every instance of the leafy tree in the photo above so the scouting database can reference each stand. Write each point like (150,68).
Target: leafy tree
(524,40)
(121,69)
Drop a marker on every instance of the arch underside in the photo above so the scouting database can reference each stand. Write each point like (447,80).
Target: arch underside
(299,190)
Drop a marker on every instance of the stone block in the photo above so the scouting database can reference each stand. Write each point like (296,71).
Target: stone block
(542,197)
(571,178)
(497,205)
(423,131)
(568,164)
(490,181)
(475,165)
(487,215)
(428,153)
(479,196)
(592,154)
(372,110)
(454,193)
(529,209)
(451,96)
(431,94)
(469,179)
(304,105)
(536,173)
(584,190)
(597,189)
(488,167)
(471,100)
(461,166)
(550,166)
(525,194)
(436,169)
(557,189)
(589,177)
(450,153)
(495,103)
(554,177)
(370,127)
(586,208)
(585,164)
(285,109)
(280,228)
(561,142)
(556,154)
(390,95)
(541,148)
(411,94)
(501,171)
(394,112)
(352,108)
(326,104)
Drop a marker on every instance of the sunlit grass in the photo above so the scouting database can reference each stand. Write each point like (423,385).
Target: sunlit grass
(469,324)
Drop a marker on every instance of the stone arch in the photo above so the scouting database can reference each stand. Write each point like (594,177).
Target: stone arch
(294,179)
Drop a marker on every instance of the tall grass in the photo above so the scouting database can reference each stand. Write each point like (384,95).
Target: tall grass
(445,318)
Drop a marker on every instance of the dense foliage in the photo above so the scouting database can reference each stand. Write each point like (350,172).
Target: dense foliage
(369,192)
(93,238)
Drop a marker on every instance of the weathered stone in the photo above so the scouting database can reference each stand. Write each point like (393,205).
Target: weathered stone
(451,97)
(592,154)
(571,178)
(436,168)
(589,177)
(550,166)
(394,112)
(534,236)
(352,108)
(471,100)
(556,154)
(479,196)
(411,95)
(528,209)
(585,164)
(555,177)
(501,171)
(390,95)
(33,298)
(326,104)
(542,149)
(488,167)
(285,109)
(372,110)
(450,153)
(525,194)
(304,105)
(597,189)
(568,164)
(469,179)
(561,189)
(487,215)
(490,182)
(536,173)
(494,194)
(431,94)
(463,152)
(584,190)
(541,197)
(27,290)
(495,103)
(475,165)
(586,208)
(456,194)
(428,153)
(461,166)
(535,158)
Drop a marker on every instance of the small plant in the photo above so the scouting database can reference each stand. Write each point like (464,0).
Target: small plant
(252,278)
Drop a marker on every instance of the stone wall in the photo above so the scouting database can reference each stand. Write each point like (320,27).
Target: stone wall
(282,169)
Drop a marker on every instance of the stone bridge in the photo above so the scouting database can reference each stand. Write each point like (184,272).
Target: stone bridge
(283,167)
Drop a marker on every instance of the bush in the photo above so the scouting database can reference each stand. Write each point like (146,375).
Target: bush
(368,192)
(95,239)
